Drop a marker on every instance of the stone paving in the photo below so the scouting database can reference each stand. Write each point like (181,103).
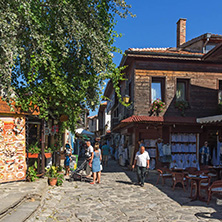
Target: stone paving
(118,199)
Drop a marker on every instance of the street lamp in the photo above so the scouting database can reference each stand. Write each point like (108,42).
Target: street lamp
(126,99)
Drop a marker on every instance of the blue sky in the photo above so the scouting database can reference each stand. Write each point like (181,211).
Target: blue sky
(155,23)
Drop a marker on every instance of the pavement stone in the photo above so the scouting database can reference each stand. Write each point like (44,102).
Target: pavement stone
(20,199)
(118,199)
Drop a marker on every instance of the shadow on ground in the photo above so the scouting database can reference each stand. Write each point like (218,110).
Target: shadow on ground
(178,195)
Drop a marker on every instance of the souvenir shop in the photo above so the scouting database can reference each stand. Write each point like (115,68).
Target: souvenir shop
(169,143)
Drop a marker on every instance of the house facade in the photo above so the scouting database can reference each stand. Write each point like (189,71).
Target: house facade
(104,118)
(93,123)
(186,81)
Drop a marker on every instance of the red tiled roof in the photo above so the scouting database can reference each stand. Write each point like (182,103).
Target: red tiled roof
(5,109)
(92,117)
(135,118)
(103,104)
(179,119)
(164,50)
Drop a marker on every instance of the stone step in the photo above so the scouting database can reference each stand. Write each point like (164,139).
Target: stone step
(10,201)
(22,210)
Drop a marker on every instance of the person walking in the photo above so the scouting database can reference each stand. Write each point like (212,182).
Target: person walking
(142,161)
(105,153)
(68,153)
(95,163)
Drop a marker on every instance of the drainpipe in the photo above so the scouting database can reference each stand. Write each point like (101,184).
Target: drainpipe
(204,45)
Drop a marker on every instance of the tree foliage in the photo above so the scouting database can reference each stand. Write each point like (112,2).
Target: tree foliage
(57,53)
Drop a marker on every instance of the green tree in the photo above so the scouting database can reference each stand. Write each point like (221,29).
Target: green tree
(57,53)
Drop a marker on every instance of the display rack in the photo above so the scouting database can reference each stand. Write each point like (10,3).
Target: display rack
(184,148)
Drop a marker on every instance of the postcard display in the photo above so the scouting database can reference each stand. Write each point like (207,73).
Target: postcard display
(12,149)
(184,150)
(150,145)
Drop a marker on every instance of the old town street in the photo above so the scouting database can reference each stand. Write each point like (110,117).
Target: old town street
(118,199)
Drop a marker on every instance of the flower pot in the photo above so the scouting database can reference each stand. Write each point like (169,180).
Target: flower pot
(52,181)
(34,155)
(48,155)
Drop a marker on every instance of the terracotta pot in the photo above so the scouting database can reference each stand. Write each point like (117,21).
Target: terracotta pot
(34,155)
(48,155)
(52,181)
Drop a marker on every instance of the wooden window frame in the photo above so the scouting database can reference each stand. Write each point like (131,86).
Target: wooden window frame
(162,80)
(218,89)
(187,87)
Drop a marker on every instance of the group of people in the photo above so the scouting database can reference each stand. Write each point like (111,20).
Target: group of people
(98,156)
(96,159)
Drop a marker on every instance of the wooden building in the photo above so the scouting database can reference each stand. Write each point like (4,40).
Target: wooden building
(188,79)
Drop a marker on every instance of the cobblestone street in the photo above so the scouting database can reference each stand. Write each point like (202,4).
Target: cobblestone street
(118,199)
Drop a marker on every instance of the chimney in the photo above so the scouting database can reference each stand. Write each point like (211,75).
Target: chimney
(181,32)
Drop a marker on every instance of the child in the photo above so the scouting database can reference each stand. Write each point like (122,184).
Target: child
(68,153)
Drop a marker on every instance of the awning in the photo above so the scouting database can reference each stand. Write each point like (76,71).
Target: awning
(210,119)
(82,131)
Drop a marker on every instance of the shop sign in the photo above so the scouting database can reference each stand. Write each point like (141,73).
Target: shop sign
(55,129)
(47,131)
(51,131)
(110,103)
(12,149)
(64,118)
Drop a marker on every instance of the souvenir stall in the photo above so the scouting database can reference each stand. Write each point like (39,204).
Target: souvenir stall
(121,151)
(150,136)
(12,148)
(163,152)
(184,150)
(150,145)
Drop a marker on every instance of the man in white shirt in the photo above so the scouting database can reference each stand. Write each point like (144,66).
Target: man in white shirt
(89,149)
(142,161)
(89,152)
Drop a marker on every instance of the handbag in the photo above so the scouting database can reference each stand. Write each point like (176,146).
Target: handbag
(101,167)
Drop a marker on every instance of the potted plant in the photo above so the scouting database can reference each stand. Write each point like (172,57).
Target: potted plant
(33,150)
(182,105)
(59,169)
(32,173)
(60,179)
(48,152)
(157,107)
(52,175)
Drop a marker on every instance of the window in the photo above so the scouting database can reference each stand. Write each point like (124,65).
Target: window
(157,89)
(209,47)
(116,113)
(182,89)
(220,92)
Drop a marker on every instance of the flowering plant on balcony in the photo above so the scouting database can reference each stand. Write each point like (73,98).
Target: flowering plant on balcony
(157,107)
(182,105)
